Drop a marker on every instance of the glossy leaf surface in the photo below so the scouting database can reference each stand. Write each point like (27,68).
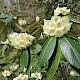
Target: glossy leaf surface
(71,51)
(47,51)
(55,64)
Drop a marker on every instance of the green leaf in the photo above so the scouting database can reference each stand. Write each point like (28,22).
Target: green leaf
(35,48)
(71,51)
(75,28)
(5,18)
(10,58)
(55,63)
(24,58)
(47,51)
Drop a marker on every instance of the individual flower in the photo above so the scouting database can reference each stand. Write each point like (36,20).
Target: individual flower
(6,73)
(14,67)
(61,10)
(24,70)
(49,27)
(20,40)
(57,26)
(21,77)
(14,17)
(22,22)
(73,73)
(36,75)
(5,42)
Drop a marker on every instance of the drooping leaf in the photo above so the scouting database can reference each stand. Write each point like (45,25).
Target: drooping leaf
(71,51)
(24,58)
(5,18)
(55,63)
(47,51)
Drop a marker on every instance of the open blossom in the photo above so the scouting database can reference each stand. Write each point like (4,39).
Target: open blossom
(21,77)
(22,22)
(20,40)
(61,10)
(57,26)
(6,73)
(5,42)
(36,75)
(14,67)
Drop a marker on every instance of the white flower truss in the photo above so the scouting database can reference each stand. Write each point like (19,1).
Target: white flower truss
(57,26)
(20,40)
(21,77)
(6,73)
(22,22)
(61,10)
(36,75)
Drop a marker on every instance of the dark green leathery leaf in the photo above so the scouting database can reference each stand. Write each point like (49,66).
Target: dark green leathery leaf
(70,50)
(47,51)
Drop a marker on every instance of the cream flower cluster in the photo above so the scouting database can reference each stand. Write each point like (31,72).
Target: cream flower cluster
(61,10)
(57,26)
(21,77)
(20,40)
(36,75)
(22,22)
(6,73)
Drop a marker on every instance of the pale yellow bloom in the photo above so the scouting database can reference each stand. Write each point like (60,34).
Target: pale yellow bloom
(61,10)
(57,26)
(20,40)
(55,19)
(65,19)
(14,17)
(22,22)
(24,70)
(78,37)
(36,75)
(14,67)
(21,77)
(6,73)
(5,42)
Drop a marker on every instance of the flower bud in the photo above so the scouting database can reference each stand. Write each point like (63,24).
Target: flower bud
(37,19)
(20,22)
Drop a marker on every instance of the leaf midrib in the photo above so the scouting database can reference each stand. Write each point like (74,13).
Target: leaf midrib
(72,49)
